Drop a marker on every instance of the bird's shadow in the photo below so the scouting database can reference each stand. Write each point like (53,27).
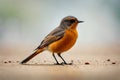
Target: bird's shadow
(46,64)
(39,64)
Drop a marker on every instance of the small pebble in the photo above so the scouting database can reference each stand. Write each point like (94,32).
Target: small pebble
(113,62)
(9,61)
(5,62)
(108,60)
(87,63)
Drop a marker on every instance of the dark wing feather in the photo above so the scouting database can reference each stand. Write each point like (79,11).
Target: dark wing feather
(55,35)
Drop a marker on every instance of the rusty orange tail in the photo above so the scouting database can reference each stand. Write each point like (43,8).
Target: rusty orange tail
(32,55)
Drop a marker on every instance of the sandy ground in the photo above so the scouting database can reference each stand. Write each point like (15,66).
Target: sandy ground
(87,65)
(80,70)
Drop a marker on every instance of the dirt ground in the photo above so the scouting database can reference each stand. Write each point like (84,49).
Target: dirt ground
(87,65)
(79,70)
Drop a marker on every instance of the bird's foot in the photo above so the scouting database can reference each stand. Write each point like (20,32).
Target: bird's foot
(64,63)
(58,63)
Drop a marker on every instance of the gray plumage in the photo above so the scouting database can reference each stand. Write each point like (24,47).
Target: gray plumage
(57,33)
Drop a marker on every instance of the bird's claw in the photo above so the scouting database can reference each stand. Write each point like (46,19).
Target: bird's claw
(63,63)
(68,63)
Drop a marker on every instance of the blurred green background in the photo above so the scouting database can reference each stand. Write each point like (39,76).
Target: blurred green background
(27,22)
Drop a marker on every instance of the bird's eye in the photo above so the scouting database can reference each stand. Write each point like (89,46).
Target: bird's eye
(72,21)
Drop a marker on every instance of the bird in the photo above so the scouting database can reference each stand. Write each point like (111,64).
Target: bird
(60,40)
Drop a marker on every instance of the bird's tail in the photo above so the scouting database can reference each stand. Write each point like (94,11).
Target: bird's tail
(32,55)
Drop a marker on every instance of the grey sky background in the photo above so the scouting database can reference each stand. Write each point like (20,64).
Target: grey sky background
(29,21)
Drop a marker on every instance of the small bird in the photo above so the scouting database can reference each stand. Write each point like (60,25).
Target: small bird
(61,39)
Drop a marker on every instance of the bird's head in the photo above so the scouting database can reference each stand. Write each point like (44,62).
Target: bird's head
(69,21)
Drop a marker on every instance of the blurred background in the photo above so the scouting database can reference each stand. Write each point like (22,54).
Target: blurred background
(24,23)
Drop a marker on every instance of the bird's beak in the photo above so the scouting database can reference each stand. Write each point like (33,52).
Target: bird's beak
(80,21)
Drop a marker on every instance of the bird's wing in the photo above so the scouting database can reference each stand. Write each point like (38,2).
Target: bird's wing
(55,35)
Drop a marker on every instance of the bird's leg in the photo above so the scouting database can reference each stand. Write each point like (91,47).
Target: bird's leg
(55,59)
(64,60)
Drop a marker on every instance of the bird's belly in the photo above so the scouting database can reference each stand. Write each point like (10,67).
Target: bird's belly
(64,43)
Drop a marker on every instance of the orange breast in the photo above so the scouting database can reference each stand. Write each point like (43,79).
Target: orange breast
(64,43)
